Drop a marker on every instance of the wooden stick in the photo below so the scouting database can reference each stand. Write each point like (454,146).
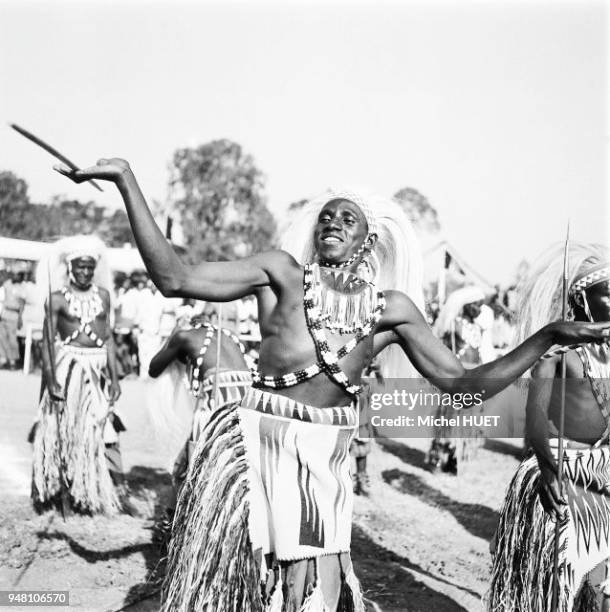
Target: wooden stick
(49,149)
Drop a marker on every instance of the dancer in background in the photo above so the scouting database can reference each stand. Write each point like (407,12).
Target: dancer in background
(522,575)
(75,439)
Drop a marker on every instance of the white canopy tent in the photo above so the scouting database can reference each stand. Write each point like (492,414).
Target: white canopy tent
(124,259)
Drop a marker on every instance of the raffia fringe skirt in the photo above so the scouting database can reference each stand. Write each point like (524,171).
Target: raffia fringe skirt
(69,442)
(522,574)
(269,482)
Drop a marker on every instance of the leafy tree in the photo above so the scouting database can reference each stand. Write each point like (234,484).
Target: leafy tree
(14,203)
(419,210)
(20,218)
(218,193)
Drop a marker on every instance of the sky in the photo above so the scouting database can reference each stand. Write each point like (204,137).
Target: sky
(495,111)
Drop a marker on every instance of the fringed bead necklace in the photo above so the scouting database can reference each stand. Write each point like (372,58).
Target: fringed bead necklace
(86,308)
(328,359)
(345,301)
(209,335)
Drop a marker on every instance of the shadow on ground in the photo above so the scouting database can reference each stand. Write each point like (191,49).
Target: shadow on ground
(504,448)
(479,520)
(385,581)
(412,456)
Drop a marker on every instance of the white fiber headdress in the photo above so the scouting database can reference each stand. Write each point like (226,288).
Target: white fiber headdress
(54,264)
(452,308)
(398,263)
(540,295)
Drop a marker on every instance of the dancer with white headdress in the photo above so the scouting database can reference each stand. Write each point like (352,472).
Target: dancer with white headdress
(460,327)
(522,575)
(75,439)
(273,474)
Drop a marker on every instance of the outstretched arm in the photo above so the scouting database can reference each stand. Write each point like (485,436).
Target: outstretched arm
(438,364)
(213,281)
(171,350)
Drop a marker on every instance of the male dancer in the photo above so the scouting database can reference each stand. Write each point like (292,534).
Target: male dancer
(207,371)
(274,473)
(458,326)
(524,550)
(75,444)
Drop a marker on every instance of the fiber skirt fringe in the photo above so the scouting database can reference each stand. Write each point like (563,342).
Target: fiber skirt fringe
(522,573)
(213,564)
(68,445)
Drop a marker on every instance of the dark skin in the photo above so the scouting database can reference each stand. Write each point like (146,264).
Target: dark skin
(64,324)
(276,279)
(185,344)
(583,419)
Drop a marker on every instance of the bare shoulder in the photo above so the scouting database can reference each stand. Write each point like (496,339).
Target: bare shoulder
(400,309)
(105,295)
(279,265)
(58,300)
(546,368)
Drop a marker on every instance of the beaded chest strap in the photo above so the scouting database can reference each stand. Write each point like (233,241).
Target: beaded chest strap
(328,359)
(209,335)
(86,308)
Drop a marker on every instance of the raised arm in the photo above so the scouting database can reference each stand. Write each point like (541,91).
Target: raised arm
(172,349)
(438,364)
(213,281)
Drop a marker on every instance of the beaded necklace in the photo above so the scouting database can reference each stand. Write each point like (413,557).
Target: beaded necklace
(86,308)
(344,300)
(328,359)
(349,262)
(209,334)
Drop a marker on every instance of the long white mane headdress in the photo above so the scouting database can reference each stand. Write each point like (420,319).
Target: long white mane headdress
(453,307)
(540,295)
(54,264)
(398,263)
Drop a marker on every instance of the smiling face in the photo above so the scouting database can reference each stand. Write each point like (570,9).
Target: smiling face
(82,269)
(340,231)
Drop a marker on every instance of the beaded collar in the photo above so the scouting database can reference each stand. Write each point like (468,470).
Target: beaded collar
(86,309)
(348,262)
(195,380)
(328,359)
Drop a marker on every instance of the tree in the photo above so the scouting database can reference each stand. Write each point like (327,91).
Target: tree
(14,203)
(218,194)
(421,213)
(20,218)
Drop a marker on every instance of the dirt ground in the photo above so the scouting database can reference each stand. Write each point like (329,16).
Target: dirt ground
(420,540)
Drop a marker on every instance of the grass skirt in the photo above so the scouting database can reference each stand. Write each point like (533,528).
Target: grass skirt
(230,534)
(68,443)
(522,574)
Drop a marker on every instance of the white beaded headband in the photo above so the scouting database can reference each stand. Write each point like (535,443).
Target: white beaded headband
(596,274)
(360,202)
(78,253)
